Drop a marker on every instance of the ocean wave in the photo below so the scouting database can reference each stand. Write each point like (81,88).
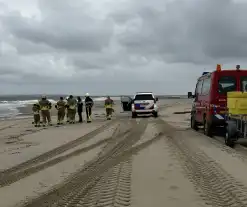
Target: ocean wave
(26,102)
(22,103)
(8,110)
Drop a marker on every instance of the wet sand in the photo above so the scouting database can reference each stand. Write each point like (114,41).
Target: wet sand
(138,162)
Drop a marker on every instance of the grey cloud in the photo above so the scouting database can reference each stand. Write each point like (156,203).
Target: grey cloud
(8,65)
(7,71)
(140,45)
(93,60)
(187,31)
(63,27)
(27,47)
(107,61)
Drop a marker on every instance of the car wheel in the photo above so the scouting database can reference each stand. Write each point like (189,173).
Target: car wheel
(155,114)
(134,115)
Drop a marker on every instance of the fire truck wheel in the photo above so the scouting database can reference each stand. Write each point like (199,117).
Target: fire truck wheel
(193,123)
(207,127)
(231,134)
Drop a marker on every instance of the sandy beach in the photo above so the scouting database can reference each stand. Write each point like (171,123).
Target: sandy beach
(138,162)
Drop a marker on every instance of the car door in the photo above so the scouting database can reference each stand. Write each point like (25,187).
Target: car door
(126,102)
(198,101)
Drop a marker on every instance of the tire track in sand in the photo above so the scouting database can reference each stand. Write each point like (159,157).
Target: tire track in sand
(19,171)
(29,171)
(216,186)
(112,189)
(7,127)
(88,182)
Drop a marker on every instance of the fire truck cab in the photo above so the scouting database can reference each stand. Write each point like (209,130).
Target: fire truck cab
(210,98)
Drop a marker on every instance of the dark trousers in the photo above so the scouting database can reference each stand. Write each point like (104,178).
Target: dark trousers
(88,112)
(80,116)
(60,116)
(108,111)
(36,119)
(46,116)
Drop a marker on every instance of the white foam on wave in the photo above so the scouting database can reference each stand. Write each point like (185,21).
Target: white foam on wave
(22,103)
(104,98)
(9,109)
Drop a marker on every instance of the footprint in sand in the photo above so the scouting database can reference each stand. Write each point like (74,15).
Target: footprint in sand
(174,187)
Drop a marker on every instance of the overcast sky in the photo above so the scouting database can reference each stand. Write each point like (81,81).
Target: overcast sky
(117,46)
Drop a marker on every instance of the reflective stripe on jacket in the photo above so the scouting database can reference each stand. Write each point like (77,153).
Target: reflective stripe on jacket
(108,103)
(45,105)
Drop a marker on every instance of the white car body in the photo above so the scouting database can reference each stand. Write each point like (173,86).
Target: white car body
(144,103)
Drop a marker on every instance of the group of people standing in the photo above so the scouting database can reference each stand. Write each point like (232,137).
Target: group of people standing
(68,107)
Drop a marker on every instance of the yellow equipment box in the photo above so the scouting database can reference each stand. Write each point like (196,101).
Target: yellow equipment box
(237,103)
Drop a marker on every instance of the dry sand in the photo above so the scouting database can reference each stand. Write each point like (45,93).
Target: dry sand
(139,162)
(42,181)
(38,143)
(161,182)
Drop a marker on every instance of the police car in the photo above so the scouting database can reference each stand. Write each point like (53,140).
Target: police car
(144,103)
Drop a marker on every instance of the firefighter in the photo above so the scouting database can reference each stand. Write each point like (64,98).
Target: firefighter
(67,116)
(109,107)
(88,104)
(71,109)
(45,107)
(36,114)
(61,107)
(79,108)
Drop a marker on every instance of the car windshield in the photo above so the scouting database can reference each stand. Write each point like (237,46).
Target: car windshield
(227,84)
(144,97)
